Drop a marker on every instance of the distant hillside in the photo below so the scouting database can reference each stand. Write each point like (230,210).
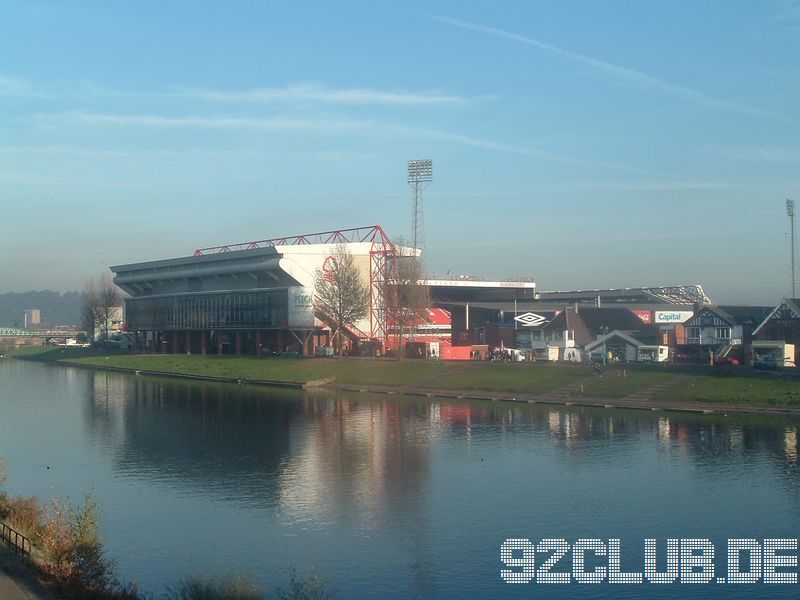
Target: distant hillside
(56,309)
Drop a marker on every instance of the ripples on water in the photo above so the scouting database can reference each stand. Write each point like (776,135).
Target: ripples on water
(386,495)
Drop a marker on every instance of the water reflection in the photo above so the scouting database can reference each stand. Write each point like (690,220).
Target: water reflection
(417,492)
(321,458)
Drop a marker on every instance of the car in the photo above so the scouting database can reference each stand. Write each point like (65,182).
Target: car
(765,361)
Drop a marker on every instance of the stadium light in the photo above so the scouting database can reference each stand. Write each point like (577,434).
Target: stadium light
(420,171)
(420,174)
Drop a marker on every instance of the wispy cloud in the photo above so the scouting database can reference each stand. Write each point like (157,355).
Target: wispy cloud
(787,14)
(656,185)
(317,93)
(215,122)
(82,152)
(328,126)
(625,74)
(12,86)
(335,155)
(762,154)
(296,93)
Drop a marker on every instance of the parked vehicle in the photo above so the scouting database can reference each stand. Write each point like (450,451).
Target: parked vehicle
(765,361)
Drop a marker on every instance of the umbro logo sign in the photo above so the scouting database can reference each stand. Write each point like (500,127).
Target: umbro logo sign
(530,319)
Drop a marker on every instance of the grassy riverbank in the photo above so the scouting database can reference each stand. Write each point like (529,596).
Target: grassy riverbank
(696,385)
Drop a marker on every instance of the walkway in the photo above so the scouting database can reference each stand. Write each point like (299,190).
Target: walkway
(17,582)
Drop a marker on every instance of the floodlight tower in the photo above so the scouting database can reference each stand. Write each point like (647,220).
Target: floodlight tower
(790,212)
(420,174)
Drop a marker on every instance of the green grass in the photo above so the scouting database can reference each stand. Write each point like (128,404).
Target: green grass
(614,385)
(726,387)
(515,377)
(737,390)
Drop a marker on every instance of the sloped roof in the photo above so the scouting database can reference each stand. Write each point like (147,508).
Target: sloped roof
(589,323)
(620,319)
(793,304)
(739,315)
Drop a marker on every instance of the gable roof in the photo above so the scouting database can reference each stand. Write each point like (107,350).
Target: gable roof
(787,305)
(589,323)
(733,315)
(611,335)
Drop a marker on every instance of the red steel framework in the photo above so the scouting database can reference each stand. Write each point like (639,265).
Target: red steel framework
(382,264)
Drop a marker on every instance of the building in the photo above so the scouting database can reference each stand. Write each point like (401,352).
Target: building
(33,317)
(782,325)
(575,329)
(484,316)
(254,297)
(721,330)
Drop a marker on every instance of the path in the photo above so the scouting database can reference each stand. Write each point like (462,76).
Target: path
(17,582)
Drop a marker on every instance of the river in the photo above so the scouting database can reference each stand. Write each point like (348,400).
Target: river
(387,496)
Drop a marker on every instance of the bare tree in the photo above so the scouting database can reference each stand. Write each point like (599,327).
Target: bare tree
(89,309)
(340,294)
(101,302)
(407,301)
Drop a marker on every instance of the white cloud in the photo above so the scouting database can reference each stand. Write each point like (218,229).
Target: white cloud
(630,76)
(11,86)
(328,126)
(762,154)
(76,151)
(316,93)
(214,122)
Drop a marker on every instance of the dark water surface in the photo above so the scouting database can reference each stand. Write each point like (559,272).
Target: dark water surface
(387,495)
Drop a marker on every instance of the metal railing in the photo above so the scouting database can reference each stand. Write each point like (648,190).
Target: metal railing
(18,542)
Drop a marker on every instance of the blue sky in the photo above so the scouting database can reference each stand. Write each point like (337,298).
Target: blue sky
(604,144)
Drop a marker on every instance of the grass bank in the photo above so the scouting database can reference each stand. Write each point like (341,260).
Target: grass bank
(768,391)
(737,386)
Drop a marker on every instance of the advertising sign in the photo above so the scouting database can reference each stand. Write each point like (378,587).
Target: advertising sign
(673,316)
(645,315)
(532,319)
(301,306)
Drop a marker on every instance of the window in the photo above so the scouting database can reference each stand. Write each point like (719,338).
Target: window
(723,333)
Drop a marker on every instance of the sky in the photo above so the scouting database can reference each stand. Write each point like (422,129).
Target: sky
(582,144)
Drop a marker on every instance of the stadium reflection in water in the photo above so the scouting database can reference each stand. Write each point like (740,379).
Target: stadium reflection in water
(386,495)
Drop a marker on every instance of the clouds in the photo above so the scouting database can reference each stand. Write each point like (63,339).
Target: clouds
(626,75)
(305,93)
(13,86)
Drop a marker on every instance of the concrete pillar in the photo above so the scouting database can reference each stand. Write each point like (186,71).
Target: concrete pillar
(258,342)
(154,342)
(175,342)
(219,342)
(203,342)
(280,341)
(238,343)
(188,342)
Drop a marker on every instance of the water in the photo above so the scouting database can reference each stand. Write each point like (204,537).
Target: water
(386,495)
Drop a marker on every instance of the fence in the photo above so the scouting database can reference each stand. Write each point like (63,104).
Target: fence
(18,542)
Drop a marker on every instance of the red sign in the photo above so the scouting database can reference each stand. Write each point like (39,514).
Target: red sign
(645,315)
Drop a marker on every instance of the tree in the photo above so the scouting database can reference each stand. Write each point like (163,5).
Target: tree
(100,303)
(340,294)
(407,300)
